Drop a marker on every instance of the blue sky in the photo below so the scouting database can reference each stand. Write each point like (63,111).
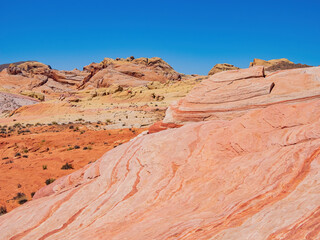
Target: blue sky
(192,36)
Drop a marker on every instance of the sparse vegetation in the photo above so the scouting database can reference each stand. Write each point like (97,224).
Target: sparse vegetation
(44,167)
(67,166)
(3,210)
(49,181)
(22,201)
(19,195)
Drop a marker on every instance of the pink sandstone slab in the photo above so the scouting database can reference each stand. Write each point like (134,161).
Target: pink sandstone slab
(231,94)
(255,177)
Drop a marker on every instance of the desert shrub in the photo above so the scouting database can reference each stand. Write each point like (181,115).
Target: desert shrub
(50,180)
(21,198)
(19,195)
(67,166)
(76,147)
(32,194)
(22,201)
(3,210)
(44,167)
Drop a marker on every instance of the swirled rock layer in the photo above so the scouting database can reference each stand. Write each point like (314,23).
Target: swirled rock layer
(227,95)
(255,177)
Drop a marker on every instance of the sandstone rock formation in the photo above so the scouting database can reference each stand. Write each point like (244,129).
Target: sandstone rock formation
(255,177)
(277,64)
(6,65)
(230,94)
(221,67)
(41,77)
(128,72)
(260,62)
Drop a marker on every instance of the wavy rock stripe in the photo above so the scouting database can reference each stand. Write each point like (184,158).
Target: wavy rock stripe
(255,177)
(227,95)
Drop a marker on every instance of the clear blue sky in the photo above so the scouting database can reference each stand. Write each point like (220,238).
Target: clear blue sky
(192,36)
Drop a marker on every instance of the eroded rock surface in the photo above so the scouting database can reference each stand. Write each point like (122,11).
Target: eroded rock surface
(128,72)
(230,94)
(255,177)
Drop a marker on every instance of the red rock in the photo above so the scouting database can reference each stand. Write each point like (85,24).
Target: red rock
(160,126)
(254,177)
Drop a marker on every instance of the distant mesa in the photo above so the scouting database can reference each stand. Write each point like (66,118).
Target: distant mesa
(220,67)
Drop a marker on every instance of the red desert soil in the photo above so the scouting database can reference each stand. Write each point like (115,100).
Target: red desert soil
(23,158)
